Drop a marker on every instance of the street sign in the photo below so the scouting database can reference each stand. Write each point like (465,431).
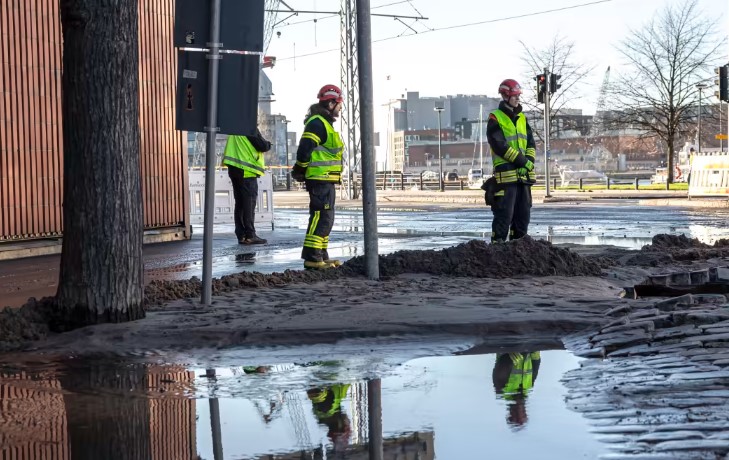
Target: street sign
(241,24)
(723,137)
(238,86)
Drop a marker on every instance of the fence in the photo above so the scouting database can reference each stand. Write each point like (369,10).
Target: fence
(224,200)
(709,174)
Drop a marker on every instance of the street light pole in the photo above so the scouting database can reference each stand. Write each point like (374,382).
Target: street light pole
(701,87)
(288,172)
(440,154)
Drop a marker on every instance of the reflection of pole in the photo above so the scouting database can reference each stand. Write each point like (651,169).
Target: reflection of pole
(374,412)
(215,428)
(210,160)
(367,138)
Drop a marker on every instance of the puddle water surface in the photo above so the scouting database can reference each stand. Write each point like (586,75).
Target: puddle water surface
(455,407)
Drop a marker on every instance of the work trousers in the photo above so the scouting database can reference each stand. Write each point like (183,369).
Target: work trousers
(511,212)
(322,196)
(245,193)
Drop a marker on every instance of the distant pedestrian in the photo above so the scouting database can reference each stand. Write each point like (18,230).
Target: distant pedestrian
(319,165)
(513,155)
(244,159)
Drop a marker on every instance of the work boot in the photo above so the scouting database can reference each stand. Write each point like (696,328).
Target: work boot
(316,265)
(254,240)
(333,263)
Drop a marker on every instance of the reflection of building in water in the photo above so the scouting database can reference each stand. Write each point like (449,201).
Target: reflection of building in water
(97,413)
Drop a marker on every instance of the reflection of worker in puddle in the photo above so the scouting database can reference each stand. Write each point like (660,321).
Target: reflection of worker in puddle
(327,405)
(514,376)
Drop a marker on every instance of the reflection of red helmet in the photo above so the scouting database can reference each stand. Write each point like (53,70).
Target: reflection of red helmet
(509,88)
(330,92)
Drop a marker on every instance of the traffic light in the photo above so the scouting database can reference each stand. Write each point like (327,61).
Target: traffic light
(541,87)
(723,82)
(553,85)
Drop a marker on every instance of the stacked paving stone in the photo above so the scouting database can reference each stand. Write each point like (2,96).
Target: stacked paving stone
(660,388)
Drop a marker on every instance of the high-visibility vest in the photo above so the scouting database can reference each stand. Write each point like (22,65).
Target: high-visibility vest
(326,159)
(521,379)
(240,153)
(516,138)
(338,392)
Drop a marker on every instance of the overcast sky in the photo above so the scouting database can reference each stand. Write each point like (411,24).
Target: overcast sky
(460,60)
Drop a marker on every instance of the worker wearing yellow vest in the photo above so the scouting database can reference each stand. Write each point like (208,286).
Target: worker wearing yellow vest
(513,155)
(327,406)
(244,158)
(319,165)
(514,376)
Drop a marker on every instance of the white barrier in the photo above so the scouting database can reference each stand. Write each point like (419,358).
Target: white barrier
(709,174)
(224,200)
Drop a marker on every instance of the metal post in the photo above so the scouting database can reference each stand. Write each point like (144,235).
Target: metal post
(546,132)
(698,142)
(288,171)
(374,412)
(367,138)
(210,160)
(440,154)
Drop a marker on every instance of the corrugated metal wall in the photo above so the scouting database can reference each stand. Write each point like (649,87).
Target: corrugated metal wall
(31,179)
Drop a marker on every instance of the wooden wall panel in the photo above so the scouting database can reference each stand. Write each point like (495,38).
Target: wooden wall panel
(31,143)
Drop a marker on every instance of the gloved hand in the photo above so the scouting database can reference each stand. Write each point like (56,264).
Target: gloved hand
(529,165)
(522,172)
(298,173)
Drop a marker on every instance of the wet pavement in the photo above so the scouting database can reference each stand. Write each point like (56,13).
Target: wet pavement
(447,407)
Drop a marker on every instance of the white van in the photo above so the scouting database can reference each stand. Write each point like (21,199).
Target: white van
(475,175)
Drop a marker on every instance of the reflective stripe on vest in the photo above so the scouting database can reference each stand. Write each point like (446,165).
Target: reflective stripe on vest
(516,139)
(326,159)
(240,153)
(521,378)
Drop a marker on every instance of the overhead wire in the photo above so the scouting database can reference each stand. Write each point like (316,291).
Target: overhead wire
(469,24)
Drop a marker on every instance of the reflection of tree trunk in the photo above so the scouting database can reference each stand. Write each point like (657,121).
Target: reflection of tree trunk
(104,420)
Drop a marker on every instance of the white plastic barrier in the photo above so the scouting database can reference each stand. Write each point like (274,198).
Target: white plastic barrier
(709,174)
(224,200)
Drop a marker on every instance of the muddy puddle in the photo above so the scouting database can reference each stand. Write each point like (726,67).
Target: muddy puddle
(446,407)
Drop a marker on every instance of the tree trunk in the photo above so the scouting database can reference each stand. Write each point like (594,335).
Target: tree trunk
(669,163)
(101,262)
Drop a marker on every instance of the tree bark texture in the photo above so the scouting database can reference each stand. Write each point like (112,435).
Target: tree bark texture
(101,276)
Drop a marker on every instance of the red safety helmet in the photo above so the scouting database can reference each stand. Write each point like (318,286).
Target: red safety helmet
(509,88)
(330,92)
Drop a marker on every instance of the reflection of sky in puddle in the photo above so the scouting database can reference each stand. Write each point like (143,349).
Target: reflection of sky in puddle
(440,407)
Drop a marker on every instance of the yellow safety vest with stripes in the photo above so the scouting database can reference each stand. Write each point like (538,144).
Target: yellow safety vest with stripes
(326,159)
(240,153)
(505,171)
(338,392)
(521,379)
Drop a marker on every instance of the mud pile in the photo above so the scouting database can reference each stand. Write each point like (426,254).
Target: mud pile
(28,323)
(666,249)
(478,259)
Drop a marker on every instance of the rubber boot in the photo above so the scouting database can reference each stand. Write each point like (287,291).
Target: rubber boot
(316,265)
(333,263)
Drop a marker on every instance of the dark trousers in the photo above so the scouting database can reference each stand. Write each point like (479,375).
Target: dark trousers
(511,212)
(245,192)
(322,196)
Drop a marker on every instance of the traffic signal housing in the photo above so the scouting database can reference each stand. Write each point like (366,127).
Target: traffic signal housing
(541,87)
(723,93)
(554,83)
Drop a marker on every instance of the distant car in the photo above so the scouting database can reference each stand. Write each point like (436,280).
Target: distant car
(450,176)
(474,175)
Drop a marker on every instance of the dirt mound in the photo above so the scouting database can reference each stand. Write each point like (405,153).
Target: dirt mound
(663,242)
(479,259)
(20,325)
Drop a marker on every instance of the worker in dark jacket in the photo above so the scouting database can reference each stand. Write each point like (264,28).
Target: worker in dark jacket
(319,165)
(244,158)
(513,155)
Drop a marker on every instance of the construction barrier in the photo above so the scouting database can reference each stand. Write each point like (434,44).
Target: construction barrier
(709,174)
(224,200)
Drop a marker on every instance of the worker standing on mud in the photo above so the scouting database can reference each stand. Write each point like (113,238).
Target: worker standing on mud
(514,376)
(319,165)
(327,406)
(513,154)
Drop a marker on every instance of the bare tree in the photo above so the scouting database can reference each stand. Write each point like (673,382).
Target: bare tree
(559,58)
(668,57)
(101,260)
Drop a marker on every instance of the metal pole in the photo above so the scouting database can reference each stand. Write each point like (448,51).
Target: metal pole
(367,137)
(288,171)
(698,142)
(374,412)
(210,160)
(440,155)
(480,137)
(546,132)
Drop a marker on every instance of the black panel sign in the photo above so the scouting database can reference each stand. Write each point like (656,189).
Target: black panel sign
(241,24)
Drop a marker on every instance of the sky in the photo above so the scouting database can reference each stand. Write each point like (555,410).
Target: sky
(460,60)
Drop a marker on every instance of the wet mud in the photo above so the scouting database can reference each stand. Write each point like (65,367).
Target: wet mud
(521,258)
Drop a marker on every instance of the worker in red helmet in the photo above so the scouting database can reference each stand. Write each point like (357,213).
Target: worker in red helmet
(319,166)
(513,155)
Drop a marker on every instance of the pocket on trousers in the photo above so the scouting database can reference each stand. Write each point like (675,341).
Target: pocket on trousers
(319,197)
